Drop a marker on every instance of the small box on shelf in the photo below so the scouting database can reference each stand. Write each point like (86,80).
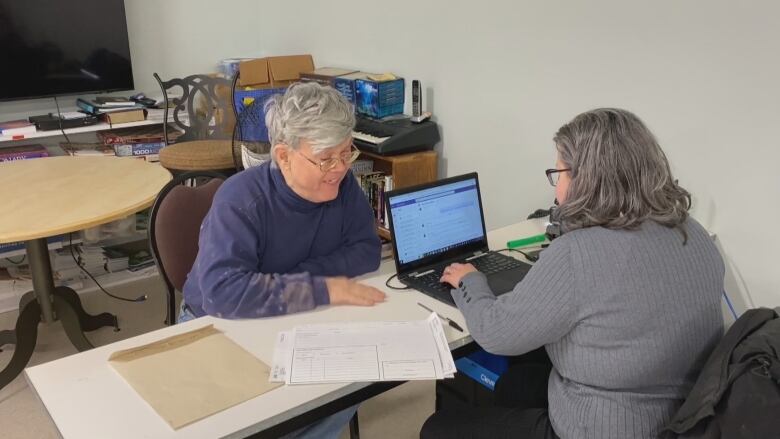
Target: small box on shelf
(379,97)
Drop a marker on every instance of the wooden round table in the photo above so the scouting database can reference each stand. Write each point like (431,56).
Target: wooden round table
(55,195)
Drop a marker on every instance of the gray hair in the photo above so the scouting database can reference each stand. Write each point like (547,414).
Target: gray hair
(308,111)
(620,177)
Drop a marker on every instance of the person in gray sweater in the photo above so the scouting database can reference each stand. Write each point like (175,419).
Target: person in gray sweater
(626,301)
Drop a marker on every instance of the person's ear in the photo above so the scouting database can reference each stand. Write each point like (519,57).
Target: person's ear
(282,153)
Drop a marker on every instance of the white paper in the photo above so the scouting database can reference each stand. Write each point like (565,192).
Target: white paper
(282,354)
(366,351)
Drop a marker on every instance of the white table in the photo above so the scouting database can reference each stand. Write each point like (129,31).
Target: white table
(86,398)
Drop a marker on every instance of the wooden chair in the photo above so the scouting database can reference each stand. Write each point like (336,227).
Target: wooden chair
(203,116)
(174,228)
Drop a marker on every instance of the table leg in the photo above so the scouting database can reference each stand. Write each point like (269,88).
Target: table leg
(40,270)
(27,331)
(47,303)
(66,301)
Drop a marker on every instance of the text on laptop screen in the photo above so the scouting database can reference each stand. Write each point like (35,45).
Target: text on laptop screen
(437,219)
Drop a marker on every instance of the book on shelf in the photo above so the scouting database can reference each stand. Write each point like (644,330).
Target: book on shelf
(18,247)
(87,149)
(124,116)
(374,185)
(142,134)
(23,152)
(138,149)
(16,127)
(93,107)
(114,101)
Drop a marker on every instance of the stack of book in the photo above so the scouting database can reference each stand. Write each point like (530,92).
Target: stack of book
(144,141)
(23,152)
(113,109)
(16,128)
(374,185)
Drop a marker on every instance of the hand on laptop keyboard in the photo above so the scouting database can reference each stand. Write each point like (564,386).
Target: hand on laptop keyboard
(454,272)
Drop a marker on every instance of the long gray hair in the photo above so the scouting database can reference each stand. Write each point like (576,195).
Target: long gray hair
(310,111)
(620,177)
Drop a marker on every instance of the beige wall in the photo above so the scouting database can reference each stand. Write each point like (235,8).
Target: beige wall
(502,76)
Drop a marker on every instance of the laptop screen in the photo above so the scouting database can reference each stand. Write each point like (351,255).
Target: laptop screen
(436,221)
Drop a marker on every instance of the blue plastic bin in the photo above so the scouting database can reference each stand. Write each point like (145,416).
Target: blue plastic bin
(253,128)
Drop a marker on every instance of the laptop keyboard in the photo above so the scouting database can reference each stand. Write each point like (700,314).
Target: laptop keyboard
(488,264)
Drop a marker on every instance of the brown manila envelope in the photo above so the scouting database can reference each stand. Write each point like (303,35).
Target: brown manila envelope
(193,375)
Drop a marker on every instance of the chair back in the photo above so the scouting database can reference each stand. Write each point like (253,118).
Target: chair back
(200,107)
(174,228)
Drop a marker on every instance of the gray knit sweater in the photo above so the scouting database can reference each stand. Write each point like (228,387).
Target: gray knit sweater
(627,317)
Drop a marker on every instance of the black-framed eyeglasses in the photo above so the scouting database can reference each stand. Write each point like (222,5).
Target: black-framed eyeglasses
(553,175)
(326,165)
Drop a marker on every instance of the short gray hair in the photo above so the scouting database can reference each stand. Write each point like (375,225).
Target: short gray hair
(307,110)
(620,177)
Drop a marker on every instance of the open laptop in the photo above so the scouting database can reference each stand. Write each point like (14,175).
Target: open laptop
(435,224)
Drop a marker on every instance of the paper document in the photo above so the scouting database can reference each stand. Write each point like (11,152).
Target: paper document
(366,351)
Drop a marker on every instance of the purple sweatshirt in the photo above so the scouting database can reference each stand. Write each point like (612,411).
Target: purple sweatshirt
(265,251)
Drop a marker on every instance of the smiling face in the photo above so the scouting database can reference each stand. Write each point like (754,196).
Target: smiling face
(303,173)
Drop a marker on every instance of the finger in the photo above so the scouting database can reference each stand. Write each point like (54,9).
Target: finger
(448,279)
(362,301)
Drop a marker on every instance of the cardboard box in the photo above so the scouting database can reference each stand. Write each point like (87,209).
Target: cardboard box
(275,71)
(325,75)
(379,98)
(346,84)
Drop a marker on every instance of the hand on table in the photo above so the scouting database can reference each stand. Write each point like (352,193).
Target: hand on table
(343,291)
(455,272)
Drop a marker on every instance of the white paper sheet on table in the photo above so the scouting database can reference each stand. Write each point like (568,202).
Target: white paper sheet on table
(363,351)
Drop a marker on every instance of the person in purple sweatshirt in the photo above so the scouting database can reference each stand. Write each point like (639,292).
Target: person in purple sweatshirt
(286,236)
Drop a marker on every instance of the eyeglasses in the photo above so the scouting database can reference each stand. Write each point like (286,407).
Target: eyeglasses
(326,165)
(553,175)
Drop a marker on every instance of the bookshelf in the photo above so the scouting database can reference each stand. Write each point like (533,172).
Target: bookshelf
(154,117)
(406,170)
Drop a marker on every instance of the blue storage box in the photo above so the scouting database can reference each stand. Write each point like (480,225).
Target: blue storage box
(379,98)
(252,124)
(483,367)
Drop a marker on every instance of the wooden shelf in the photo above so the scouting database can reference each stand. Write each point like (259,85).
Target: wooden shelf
(154,117)
(406,169)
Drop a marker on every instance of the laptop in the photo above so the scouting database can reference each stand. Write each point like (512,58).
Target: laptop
(435,224)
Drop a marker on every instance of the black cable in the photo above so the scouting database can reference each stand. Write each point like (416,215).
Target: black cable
(73,255)
(17,263)
(387,284)
(531,258)
(59,120)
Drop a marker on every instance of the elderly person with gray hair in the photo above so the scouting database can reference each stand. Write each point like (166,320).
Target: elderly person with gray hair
(626,302)
(287,235)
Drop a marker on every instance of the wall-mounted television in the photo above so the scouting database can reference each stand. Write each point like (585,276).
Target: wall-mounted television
(63,47)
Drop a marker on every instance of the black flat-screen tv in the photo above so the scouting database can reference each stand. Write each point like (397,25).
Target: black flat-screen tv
(63,47)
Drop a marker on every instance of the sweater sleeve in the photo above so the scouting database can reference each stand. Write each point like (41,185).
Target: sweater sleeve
(360,250)
(227,273)
(539,310)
